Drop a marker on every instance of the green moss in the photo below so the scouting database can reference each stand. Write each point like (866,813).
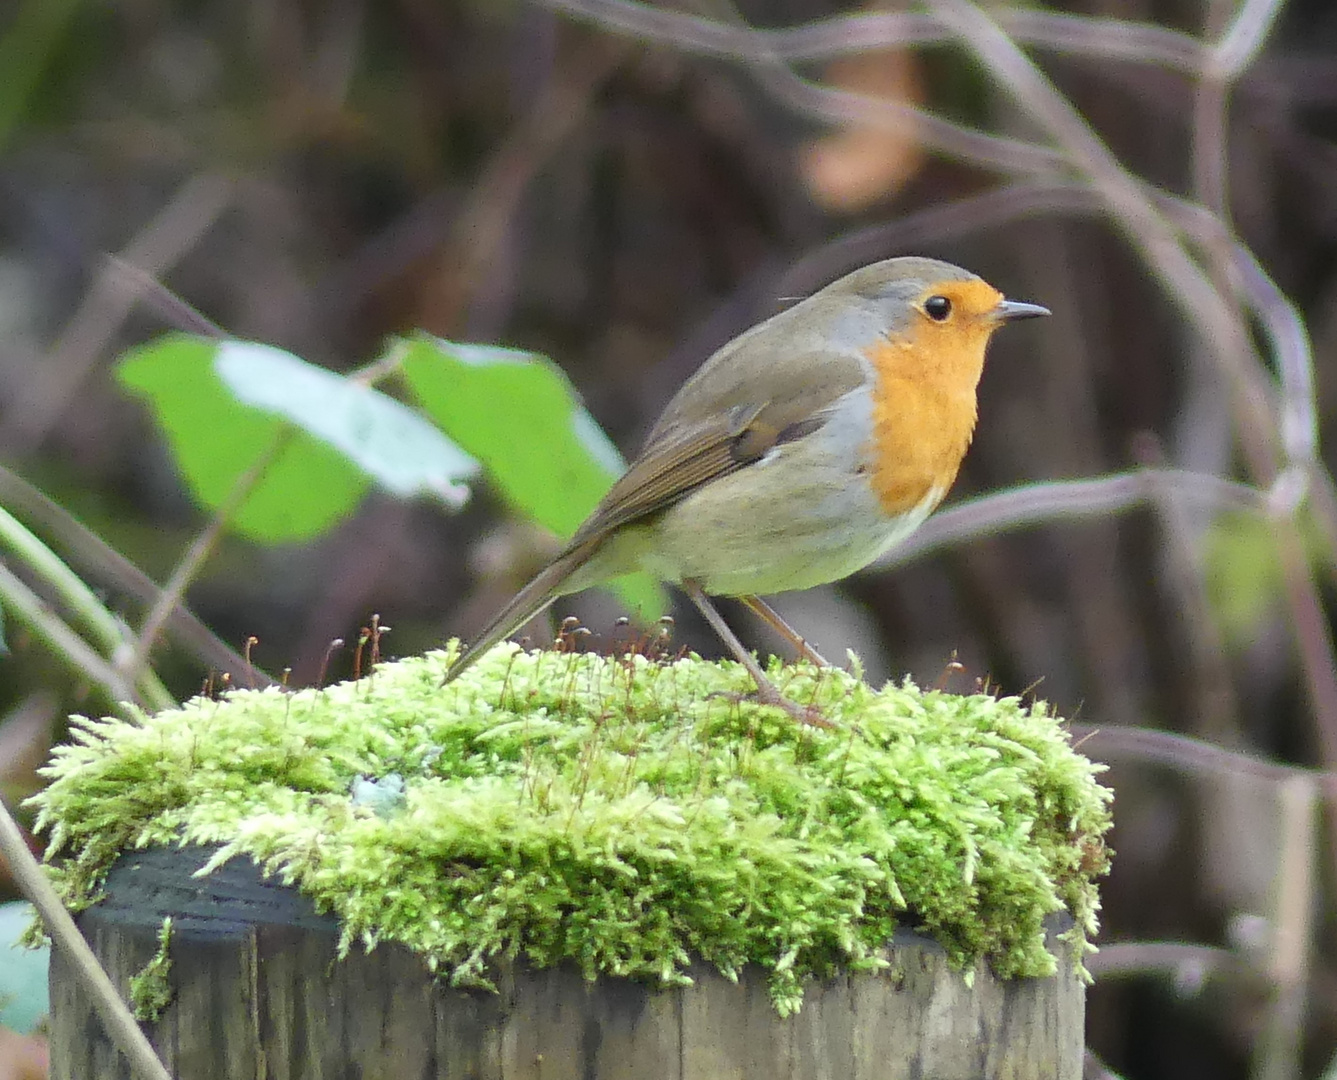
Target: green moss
(151,989)
(624,814)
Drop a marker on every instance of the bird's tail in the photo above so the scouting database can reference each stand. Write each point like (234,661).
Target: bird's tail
(527,603)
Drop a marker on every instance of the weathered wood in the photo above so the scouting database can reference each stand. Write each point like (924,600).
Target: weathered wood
(259,994)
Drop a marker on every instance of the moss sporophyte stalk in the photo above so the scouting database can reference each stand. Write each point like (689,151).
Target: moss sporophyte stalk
(626,814)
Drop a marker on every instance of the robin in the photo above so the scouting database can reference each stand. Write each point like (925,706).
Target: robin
(799,452)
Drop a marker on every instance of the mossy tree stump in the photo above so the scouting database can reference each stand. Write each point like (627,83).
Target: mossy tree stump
(572,867)
(258,992)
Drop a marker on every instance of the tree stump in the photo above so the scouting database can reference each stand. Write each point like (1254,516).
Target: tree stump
(259,993)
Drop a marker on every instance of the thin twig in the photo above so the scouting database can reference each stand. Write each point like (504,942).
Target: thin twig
(489,213)
(88,551)
(996,153)
(993,152)
(1206,663)
(120,1025)
(30,610)
(935,224)
(174,231)
(1159,958)
(189,565)
(1241,42)
(106,630)
(1277,1047)
(1313,634)
(1210,120)
(1106,39)
(1323,506)
(1113,742)
(1290,348)
(1209,145)
(1183,279)
(1057,32)
(1061,500)
(170,306)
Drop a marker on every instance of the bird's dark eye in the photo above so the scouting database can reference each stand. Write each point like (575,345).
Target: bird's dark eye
(937,308)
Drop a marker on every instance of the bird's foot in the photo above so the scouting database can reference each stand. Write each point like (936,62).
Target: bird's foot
(766,693)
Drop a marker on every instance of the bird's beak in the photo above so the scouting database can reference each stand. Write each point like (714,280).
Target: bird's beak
(1012,310)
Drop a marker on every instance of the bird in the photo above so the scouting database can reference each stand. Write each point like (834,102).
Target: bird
(797,454)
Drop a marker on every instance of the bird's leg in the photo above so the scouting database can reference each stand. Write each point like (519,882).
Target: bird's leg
(767,694)
(776,622)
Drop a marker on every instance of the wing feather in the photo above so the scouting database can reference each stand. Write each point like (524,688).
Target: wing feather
(701,437)
(705,432)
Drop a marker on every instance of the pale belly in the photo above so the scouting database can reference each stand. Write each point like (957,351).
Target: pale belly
(799,518)
(736,539)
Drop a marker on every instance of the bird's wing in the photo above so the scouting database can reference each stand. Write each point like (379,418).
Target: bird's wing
(703,436)
(712,427)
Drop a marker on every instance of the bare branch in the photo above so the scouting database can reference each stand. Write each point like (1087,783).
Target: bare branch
(1116,742)
(1236,50)
(162,242)
(1183,279)
(170,598)
(1060,500)
(692,33)
(120,1025)
(1160,958)
(994,152)
(45,625)
(1109,39)
(79,601)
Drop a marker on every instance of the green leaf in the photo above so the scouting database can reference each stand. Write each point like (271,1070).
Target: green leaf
(224,405)
(517,413)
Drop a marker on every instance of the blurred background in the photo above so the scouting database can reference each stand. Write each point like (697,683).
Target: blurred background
(624,194)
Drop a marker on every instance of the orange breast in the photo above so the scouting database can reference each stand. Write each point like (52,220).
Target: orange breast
(924,413)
